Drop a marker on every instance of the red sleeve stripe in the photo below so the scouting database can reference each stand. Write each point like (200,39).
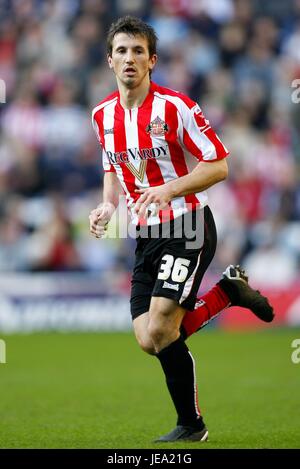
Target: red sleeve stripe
(221,150)
(191,146)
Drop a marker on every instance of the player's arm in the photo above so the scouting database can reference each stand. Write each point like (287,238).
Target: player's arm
(100,216)
(203,176)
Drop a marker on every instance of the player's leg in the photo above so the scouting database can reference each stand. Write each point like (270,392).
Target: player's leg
(167,270)
(183,261)
(161,337)
(232,290)
(157,331)
(165,317)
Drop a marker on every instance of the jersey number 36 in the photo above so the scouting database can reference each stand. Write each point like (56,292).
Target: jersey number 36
(178,269)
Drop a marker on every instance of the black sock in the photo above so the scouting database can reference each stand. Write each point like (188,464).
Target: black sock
(178,366)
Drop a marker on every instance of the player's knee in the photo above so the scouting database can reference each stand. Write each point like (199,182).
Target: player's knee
(145,342)
(156,332)
(162,333)
(146,346)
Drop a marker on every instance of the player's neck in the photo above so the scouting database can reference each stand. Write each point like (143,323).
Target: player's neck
(133,98)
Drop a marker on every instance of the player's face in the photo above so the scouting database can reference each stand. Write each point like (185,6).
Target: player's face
(130,59)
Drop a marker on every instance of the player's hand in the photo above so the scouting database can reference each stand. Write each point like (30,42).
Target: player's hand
(159,195)
(99,218)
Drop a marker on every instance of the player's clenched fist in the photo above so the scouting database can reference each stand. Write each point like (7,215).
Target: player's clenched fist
(99,218)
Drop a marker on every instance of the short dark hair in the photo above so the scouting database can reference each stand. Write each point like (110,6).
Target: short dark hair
(133,27)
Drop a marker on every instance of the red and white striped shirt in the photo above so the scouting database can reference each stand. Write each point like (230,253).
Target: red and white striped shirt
(159,141)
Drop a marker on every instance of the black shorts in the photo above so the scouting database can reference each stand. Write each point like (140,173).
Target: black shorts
(171,260)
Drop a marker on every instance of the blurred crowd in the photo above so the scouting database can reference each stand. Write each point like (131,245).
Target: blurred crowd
(238,59)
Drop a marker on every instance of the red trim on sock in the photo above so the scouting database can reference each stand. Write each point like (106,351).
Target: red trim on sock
(213,302)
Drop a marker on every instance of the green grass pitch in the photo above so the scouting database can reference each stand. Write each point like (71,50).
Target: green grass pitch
(101,391)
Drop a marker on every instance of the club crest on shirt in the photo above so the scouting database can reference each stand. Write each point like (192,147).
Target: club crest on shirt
(157,128)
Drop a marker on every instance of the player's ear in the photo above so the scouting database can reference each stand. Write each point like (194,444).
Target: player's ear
(109,60)
(152,61)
